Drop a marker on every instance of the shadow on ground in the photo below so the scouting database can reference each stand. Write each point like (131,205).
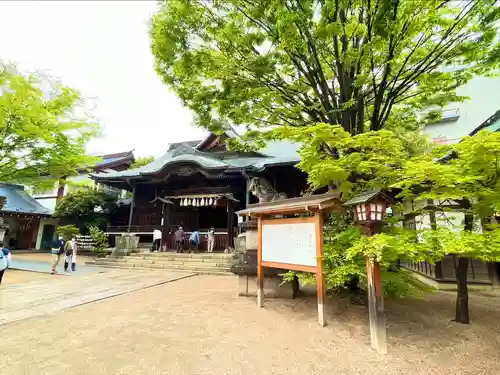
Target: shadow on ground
(423,323)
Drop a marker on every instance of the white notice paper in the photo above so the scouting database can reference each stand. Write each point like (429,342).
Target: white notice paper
(289,243)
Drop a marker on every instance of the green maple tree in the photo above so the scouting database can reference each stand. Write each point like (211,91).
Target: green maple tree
(361,64)
(41,137)
(141,162)
(348,79)
(467,174)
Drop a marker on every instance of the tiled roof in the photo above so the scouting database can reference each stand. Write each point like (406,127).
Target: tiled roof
(19,201)
(275,153)
(111,160)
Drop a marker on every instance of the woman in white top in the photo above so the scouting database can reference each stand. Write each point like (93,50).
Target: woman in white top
(70,255)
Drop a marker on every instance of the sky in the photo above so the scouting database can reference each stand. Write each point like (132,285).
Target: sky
(102,49)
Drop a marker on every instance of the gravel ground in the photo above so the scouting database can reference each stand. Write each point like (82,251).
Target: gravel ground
(16,277)
(199,326)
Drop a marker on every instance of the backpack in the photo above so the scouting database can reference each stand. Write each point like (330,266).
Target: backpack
(62,245)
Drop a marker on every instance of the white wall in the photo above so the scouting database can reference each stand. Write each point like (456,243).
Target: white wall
(484,101)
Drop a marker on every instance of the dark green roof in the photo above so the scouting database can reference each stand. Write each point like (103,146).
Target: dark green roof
(276,153)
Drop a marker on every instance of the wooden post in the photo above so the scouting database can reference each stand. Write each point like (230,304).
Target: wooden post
(230,224)
(260,270)
(131,212)
(376,307)
(320,277)
(166,225)
(247,197)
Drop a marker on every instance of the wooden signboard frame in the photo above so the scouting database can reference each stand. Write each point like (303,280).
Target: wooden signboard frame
(317,219)
(315,206)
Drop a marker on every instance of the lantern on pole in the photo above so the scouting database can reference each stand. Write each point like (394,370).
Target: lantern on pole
(370,210)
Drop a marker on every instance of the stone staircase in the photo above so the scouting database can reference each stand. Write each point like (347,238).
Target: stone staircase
(201,263)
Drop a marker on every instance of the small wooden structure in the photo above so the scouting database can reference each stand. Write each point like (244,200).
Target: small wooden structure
(293,241)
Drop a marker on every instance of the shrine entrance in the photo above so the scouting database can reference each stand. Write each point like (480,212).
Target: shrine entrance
(200,212)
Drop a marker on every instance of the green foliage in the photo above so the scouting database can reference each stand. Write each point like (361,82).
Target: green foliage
(41,134)
(402,284)
(140,162)
(472,174)
(99,239)
(86,208)
(67,231)
(363,65)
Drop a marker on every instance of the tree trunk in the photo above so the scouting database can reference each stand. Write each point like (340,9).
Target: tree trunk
(462,307)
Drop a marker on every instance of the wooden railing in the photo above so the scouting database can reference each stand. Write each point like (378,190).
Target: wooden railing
(169,239)
(423,268)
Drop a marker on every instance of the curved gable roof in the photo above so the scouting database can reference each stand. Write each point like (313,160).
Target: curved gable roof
(275,153)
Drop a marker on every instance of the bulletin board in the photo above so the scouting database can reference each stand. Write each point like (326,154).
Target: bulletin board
(290,243)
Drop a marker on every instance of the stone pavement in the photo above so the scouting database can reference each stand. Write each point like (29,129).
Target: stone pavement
(21,301)
(41,262)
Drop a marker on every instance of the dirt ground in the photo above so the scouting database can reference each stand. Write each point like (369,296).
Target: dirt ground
(199,326)
(16,277)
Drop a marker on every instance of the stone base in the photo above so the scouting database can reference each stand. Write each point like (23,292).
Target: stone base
(247,287)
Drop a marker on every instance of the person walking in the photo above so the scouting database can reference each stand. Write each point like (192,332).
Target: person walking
(179,239)
(211,240)
(5,260)
(194,241)
(70,257)
(156,240)
(57,249)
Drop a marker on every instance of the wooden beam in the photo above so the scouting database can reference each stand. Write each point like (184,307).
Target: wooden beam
(320,277)
(260,270)
(378,334)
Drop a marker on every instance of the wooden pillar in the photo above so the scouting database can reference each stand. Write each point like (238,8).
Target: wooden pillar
(376,307)
(131,212)
(260,270)
(230,224)
(320,277)
(166,224)
(247,197)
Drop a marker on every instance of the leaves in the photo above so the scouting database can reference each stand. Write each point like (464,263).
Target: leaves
(140,162)
(99,239)
(40,133)
(86,207)
(357,64)
(67,231)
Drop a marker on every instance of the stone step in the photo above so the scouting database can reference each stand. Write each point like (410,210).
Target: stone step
(183,255)
(191,263)
(198,270)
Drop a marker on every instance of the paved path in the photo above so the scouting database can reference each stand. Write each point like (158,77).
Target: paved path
(42,263)
(26,300)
